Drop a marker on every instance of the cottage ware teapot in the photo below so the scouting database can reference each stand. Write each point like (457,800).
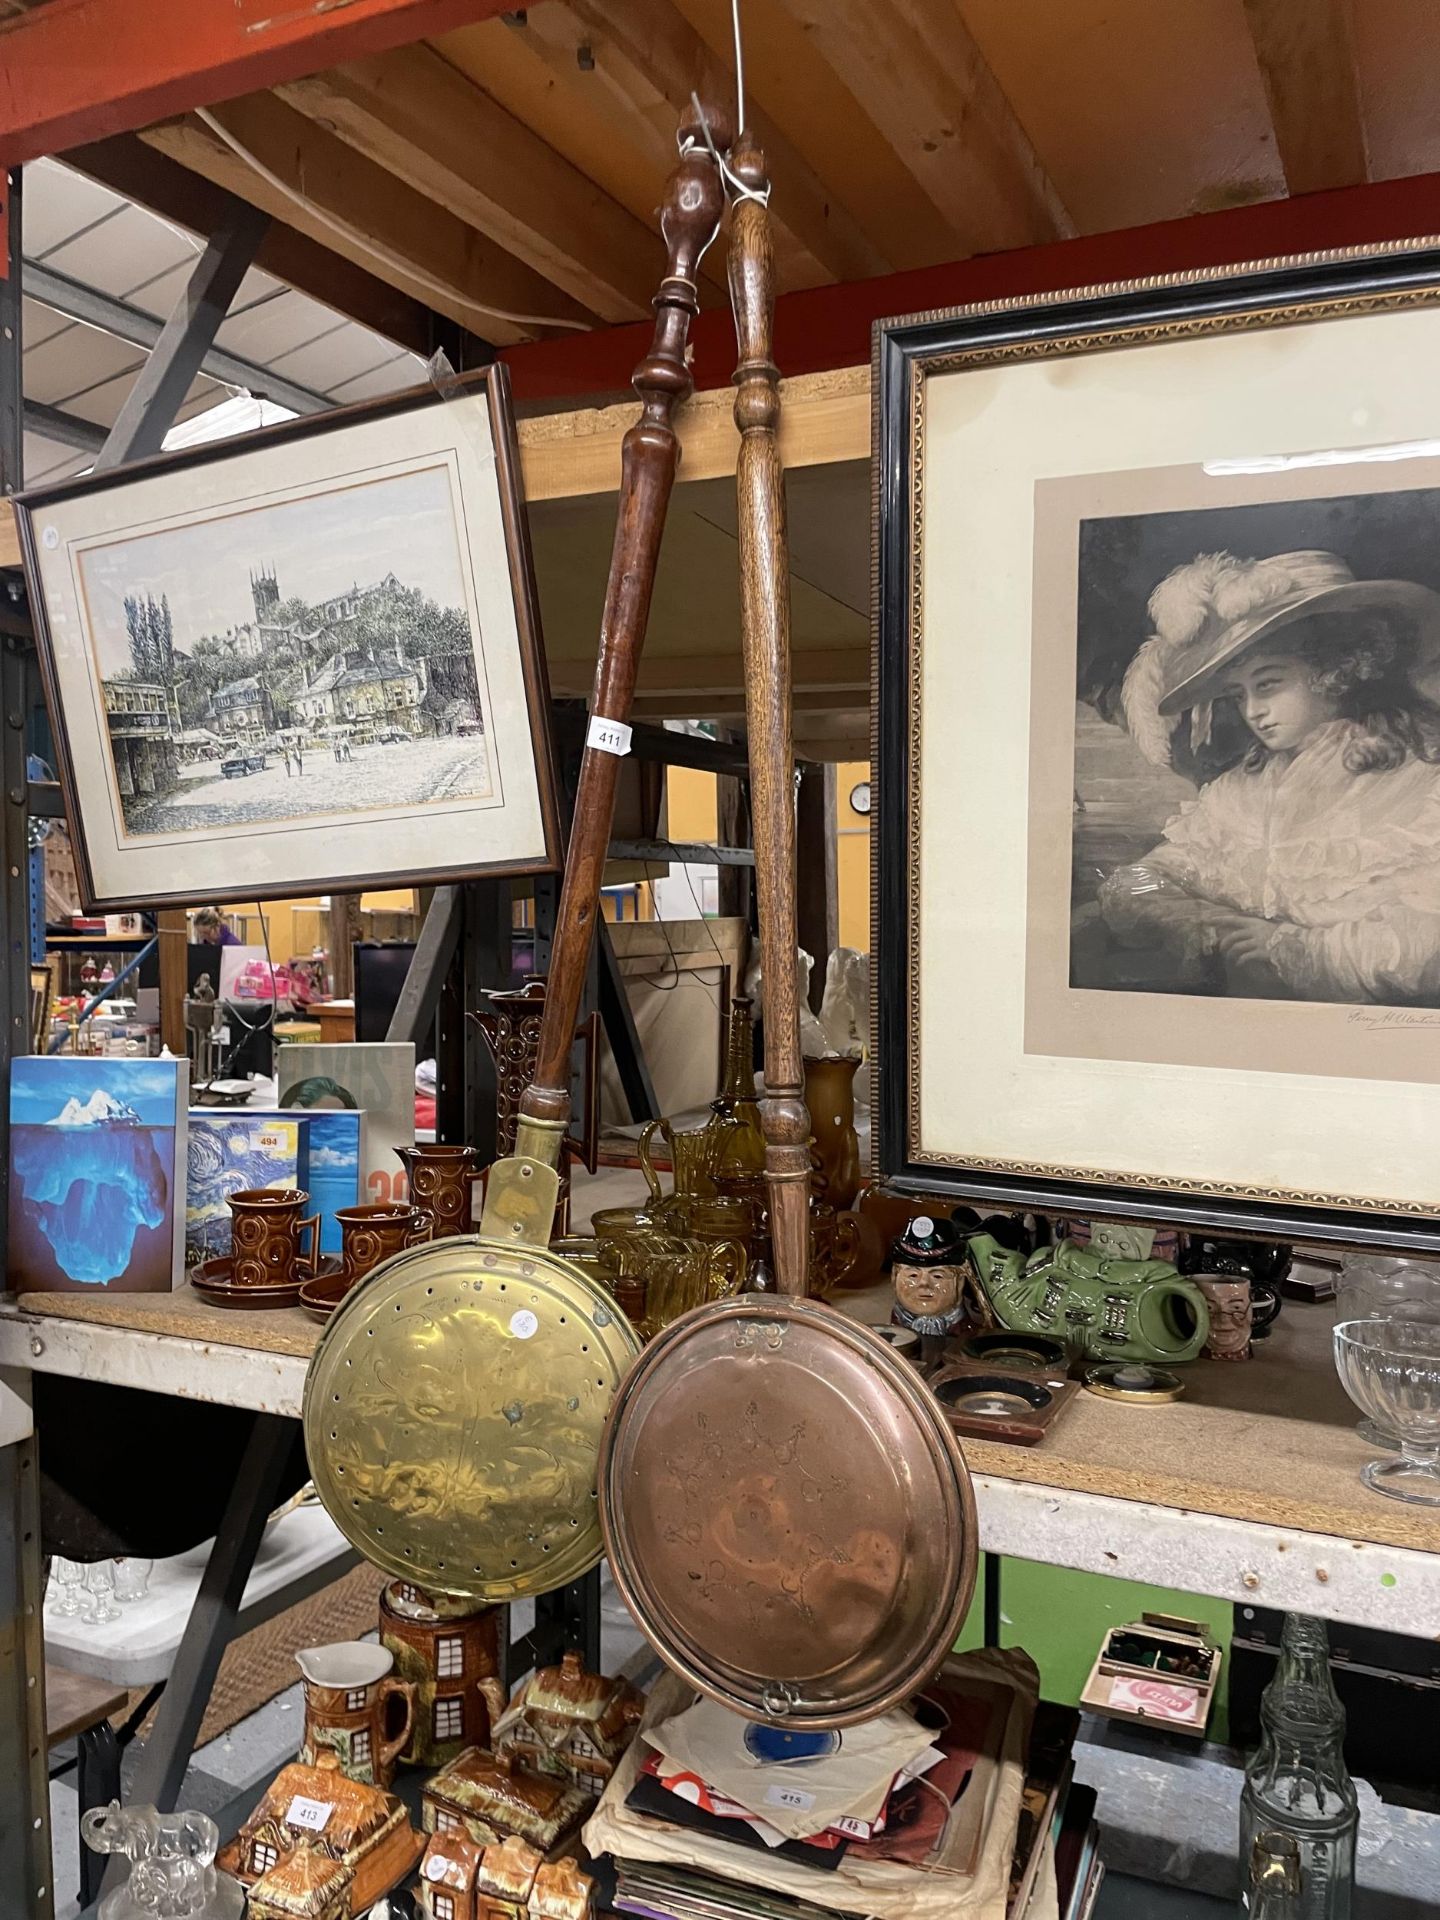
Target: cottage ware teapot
(356,1707)
(172,1865)
(1102,1308)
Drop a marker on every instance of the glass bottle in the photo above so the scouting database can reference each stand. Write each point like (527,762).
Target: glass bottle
(744,1151)
(1297,1787)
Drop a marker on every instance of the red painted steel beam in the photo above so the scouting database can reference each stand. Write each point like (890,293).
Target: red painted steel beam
(79,70)
(827,327)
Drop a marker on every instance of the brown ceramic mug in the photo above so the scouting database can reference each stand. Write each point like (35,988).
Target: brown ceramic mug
(269,1224)
(1231,1315)
(371,1234)
(441,1179)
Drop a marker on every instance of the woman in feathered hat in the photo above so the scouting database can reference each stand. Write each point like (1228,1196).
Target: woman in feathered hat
(1311,870)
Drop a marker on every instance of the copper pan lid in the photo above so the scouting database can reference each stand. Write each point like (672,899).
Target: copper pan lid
(787,1512)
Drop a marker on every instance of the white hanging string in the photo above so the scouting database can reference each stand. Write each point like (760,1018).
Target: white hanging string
(734,185)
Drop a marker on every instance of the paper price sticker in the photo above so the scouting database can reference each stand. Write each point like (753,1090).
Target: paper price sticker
(523,1324)
(312,1815)
(608,736)
(790,1797)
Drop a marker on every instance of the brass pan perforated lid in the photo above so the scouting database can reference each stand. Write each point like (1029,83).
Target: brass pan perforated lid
(787,1512)
(453,1413)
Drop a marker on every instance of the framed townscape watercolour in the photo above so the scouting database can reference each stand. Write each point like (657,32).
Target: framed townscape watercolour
(1157,932)
(303,660)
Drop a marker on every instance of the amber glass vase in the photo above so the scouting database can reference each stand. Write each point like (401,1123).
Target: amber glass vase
(830,1096)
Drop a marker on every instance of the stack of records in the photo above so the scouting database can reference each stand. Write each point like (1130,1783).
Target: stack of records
(684,1893)
(885,1790)
(1056,1844)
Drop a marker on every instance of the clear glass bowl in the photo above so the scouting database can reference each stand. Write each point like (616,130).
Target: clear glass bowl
(1382,1286)
(1391,1370)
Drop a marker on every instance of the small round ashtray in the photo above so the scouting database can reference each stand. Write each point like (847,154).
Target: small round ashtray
(999,1396)
(903,1339)
(1133,1380)
(1001,1348)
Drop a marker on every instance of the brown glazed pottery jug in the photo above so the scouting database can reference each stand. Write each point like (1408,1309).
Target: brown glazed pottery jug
(371,1234)
(355,1706)
(441,1179)
(830,1096)
(269,1225)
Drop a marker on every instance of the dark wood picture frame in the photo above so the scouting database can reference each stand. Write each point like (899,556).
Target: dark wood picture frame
(906,351)
(494,381)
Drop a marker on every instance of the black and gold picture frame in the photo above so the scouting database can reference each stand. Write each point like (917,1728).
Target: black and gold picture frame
(1157,750)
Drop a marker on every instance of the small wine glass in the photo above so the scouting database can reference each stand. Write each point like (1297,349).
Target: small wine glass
(132,1578)
(100,1585)
(65,1578)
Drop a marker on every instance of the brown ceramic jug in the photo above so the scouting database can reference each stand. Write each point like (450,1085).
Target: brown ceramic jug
(355,1707)
(371,1234)
(441,1179)
(269,1224)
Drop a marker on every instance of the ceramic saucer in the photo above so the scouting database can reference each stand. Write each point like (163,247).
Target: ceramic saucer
(214,1282)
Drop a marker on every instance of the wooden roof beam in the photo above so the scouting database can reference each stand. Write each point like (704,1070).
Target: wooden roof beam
(648,59)
(76,70)
(916,71)
(125,165)
(344,201)
(1306,56)
(418,117)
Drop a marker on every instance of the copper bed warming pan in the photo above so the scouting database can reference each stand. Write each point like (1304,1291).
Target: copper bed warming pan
(787,1512)
(455,1403)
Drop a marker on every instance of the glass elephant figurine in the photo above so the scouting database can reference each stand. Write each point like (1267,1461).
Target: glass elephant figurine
(1103,1308)
(172,1865)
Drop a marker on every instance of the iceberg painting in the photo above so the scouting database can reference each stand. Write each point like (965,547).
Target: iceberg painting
(97,1150)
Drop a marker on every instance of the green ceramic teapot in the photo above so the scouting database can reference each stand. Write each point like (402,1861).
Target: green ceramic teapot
(1107,1308)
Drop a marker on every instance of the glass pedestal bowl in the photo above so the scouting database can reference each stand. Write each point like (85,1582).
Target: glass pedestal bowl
(1391,1370)
(1381,1286)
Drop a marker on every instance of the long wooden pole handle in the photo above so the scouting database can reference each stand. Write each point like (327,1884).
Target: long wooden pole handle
(765,632)
(650,453)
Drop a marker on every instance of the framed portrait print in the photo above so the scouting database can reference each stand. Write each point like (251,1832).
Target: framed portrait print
(1157,755)
(304,660)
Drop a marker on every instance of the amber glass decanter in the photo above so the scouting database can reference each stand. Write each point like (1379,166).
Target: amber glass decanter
(744,1151)
(1297,1788)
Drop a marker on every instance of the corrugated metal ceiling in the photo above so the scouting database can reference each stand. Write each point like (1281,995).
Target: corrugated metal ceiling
(74,227)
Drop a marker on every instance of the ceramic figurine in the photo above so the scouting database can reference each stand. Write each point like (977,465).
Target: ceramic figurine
(362,1827)
(305,1885)
(926,1272)
(172,1865)
(460,1880)
(452,1659)
(570,1722)
(490,1796)
(1102,1309)
(355,1707)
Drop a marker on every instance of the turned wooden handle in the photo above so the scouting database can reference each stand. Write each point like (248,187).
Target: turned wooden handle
(765,633)
(650,453)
